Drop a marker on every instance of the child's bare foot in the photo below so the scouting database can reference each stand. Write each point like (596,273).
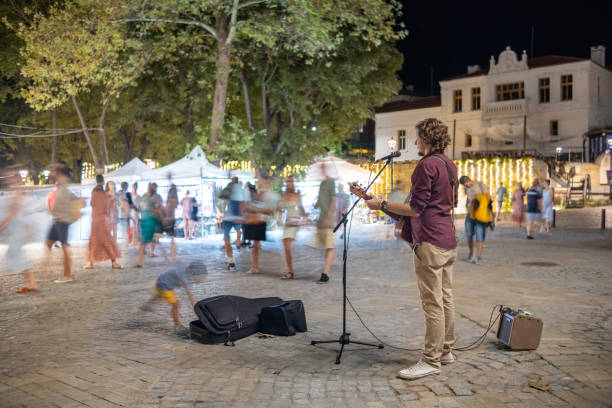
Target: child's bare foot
(252,271)
(88,266)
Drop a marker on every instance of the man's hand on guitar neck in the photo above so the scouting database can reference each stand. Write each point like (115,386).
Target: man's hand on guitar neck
(395,208)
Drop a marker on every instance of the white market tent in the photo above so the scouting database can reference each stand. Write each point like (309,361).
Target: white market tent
(194,165)
(131,172)
(338,169)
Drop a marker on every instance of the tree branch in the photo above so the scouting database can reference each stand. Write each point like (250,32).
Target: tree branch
(250,3)
(169,20)
(233,19)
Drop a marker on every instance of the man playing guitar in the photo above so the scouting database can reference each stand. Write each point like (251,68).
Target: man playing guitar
(433,196)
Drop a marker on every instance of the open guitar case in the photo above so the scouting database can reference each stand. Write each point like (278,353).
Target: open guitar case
(223,319)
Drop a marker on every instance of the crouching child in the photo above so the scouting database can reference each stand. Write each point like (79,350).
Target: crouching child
(178,275)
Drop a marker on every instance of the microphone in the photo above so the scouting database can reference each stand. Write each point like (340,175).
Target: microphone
(393,155)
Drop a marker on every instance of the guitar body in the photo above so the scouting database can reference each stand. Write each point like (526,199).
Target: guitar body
(402,227)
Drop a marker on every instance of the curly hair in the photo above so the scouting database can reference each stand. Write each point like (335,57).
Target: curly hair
(435,133)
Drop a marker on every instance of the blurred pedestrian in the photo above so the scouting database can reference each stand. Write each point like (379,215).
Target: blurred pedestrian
(16,230)
(324,236)
(500,197)
(176,276)
(151,211)
(534,207)
(293,211)
(125,204)
(261,206)
(518,198)
(231,220)
(169,216)
(113,203)
(474,190)
(65,211)
(51,197)
(102,246)
(187,204)
(134,231)
(548,198)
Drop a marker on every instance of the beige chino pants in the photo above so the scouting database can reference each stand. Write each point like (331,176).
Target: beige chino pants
(434,270)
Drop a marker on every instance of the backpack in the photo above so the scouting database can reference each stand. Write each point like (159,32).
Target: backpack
(75,209)
(482,209)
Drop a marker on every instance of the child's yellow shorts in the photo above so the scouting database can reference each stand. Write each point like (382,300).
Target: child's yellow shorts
(168,295)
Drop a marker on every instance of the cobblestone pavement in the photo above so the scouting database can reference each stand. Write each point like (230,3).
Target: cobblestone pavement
(87,344)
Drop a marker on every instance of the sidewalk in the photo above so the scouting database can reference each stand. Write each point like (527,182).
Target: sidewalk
(87,344)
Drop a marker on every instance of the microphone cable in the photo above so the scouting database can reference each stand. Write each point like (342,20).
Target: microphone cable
(468,347)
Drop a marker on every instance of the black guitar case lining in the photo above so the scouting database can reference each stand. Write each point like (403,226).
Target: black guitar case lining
(223,319)
(285,319)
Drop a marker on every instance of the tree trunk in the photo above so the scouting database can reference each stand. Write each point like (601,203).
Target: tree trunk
(247,108)
(264,104)
(247,100)
(102,135)
(188,113)
(92,150)
(221,79)
(54,142)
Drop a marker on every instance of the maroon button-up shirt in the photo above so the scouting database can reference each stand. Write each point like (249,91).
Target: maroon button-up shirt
(430,196)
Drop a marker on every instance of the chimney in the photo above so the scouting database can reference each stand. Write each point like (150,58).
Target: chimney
(473,68)
(598,55)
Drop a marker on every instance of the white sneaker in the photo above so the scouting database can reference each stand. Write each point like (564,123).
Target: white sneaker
(448,358)
(419,370)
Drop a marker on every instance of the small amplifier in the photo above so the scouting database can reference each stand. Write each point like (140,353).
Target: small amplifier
(519,330)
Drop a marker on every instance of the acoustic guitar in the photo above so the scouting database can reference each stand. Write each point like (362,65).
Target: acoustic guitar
(402,227)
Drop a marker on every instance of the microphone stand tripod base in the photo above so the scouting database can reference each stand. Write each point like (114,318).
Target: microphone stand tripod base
(345,336)
(345,339)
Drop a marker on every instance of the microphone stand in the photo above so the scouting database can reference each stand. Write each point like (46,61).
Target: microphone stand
(345,337)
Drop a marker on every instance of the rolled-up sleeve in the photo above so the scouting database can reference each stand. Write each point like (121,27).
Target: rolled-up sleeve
(421,188)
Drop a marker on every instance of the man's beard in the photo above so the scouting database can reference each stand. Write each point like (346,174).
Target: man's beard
(421,154)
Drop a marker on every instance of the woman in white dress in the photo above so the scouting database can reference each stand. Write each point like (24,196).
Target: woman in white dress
(293,210)
(548,196)
(16,230)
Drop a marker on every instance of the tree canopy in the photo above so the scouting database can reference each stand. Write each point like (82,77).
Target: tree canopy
(144,77)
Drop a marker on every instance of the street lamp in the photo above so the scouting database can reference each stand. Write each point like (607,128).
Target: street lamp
(46,174)
(392,143)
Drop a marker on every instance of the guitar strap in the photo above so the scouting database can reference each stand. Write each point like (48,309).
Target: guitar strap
(453,186)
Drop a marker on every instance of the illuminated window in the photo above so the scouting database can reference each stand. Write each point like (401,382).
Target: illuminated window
(468,140)
(566,87)
(544,90)
(507,92)
(457,100)
(475,99)
(401,137)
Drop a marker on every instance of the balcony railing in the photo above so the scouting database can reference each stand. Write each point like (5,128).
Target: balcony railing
(505,108)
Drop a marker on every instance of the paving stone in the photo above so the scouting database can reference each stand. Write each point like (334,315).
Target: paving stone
(98,350)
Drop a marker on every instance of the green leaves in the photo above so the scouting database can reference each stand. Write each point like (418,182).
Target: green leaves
(76,48)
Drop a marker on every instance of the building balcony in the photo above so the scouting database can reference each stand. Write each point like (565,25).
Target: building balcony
(515,107)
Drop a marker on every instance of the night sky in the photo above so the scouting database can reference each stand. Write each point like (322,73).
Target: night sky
(450,36)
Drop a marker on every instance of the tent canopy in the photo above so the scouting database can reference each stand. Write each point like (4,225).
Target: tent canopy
(338,169)
(194,165)
(133,168)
